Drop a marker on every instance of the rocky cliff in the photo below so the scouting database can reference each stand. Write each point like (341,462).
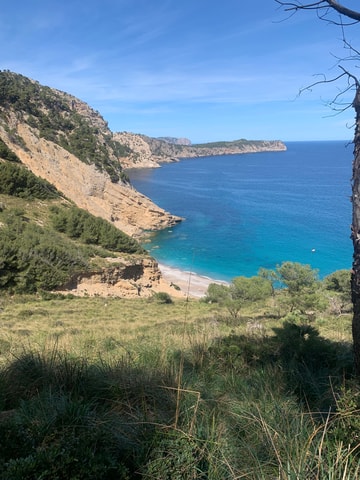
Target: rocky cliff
(147,152)
(64,141)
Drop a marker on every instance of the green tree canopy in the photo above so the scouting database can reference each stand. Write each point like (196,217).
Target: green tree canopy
(295,276)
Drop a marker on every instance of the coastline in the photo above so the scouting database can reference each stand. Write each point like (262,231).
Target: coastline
(190,283)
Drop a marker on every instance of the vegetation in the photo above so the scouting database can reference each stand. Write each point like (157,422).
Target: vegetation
(6,153)
(151,389)
(242,291)
(235,143)
(18,181)
(80,224)
(36,257)
(32,258)
(43,243)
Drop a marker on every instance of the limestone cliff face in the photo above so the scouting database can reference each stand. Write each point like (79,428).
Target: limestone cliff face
(141,155)
(150,152)
(87,187)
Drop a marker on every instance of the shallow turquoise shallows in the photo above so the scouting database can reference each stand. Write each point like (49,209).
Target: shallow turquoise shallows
(257,210)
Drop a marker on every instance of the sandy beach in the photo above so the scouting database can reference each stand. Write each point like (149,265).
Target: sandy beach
(191,284)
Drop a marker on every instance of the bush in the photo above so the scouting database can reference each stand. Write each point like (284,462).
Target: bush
(33,258)
(162,297)
(79,224)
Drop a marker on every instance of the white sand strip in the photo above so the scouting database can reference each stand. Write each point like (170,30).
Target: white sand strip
(191,284)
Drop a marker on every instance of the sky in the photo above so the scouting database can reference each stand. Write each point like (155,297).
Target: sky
(206,70)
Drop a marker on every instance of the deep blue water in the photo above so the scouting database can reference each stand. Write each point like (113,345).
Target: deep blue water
(249,211)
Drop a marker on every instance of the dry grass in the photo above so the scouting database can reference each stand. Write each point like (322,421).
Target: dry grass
(95,326)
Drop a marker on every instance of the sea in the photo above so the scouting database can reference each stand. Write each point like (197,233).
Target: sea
(244,212)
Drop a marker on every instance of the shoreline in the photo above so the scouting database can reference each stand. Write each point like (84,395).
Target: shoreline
(190,283)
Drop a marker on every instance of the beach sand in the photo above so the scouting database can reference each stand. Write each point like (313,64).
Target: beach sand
(191,284)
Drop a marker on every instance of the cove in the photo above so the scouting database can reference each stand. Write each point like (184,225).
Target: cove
(243,212)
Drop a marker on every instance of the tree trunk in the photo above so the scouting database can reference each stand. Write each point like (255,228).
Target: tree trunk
(355,277)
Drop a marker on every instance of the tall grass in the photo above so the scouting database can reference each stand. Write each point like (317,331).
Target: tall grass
(98,389)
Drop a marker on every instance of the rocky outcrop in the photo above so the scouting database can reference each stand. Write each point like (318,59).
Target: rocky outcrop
(141,155)
(133,278)
(234,148)
(150,152)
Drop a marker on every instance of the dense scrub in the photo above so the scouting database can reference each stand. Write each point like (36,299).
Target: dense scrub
(80,224)
(35,255)
(20,182)
(32,258)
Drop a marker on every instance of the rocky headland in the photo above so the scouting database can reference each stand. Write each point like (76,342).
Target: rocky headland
(150,152)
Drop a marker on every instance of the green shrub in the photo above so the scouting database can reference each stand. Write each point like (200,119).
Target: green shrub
(7,154)
(60,438)
(33,258)
(162,297)
(18,181)
(177,457)
(79,224)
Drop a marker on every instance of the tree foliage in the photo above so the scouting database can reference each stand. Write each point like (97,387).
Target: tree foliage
(336,13)
(241,292)
(33,258)
(296,277)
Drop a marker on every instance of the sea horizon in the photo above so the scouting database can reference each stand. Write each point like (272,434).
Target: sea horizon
(244,212)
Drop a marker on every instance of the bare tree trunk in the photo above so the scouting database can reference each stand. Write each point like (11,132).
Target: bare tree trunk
(355,278)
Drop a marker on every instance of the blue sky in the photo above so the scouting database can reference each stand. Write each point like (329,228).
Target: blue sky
(202,69)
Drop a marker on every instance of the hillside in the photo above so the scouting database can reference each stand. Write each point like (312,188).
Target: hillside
(61,139)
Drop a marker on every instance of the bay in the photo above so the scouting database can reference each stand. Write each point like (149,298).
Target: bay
(243,212)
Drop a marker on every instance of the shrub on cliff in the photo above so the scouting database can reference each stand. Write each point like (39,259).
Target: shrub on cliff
(18,181)
(79,224)
(33,258)
(7,154)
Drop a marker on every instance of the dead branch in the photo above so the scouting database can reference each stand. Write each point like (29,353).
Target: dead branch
(323,8)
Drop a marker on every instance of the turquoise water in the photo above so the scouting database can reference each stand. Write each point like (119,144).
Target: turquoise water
(249,211)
